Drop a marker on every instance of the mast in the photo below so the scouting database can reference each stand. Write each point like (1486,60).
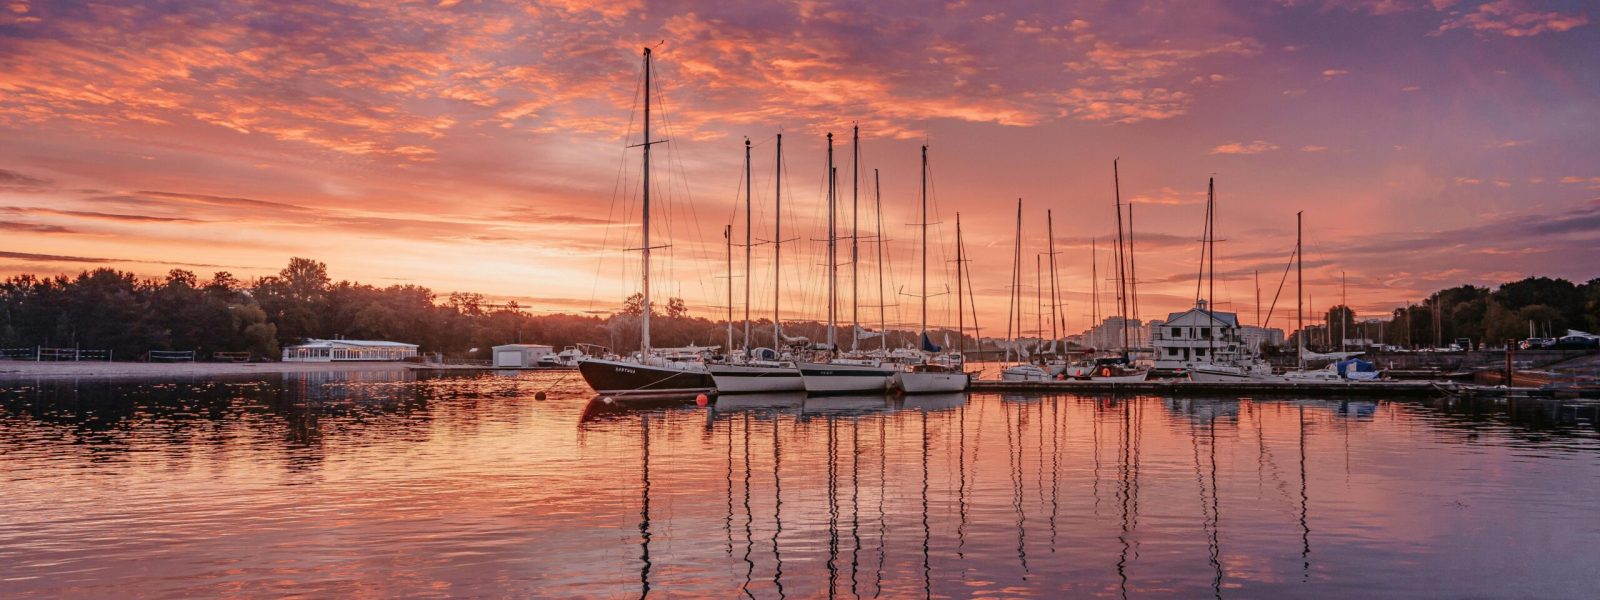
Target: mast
(1211,285)
(1122,273)
(777,244)
(1133,274)
(727,235)
(1011,299)
(644,315)
(749,187)
(924,226)
(832,243)
(855,237)
(1094,276)
(961,318)
(1038,300)
(1299,291)
(883,315)
(1344,309)
(1055,293)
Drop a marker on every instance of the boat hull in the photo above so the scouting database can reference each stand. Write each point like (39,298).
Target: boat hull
(625,378)
(824,378)
(753,379)
(1024,374)
(932,383)
(1135,378)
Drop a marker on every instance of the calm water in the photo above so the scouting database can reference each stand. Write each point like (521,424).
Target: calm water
(389,484)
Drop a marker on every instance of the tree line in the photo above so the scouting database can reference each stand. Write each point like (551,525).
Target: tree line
(1530,307)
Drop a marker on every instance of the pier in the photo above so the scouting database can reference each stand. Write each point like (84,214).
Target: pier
(1365,389)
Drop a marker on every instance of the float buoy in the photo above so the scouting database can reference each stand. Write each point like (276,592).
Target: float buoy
(538,396)
(701,400)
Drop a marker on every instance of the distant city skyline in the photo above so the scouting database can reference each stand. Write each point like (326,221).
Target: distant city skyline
(480,146)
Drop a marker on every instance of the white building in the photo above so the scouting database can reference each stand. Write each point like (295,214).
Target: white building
(348,350)
(1198,337)
(520,356)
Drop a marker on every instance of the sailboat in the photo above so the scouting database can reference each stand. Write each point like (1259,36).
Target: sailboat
(855,373)
(649,372)
(1024,371)
(764,369)
(1204,343)
(1120,369)
(934,373)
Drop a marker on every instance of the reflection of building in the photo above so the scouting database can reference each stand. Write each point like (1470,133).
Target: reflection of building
(520,355)
(348,350)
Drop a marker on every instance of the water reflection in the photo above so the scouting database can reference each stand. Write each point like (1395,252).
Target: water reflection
(336,486)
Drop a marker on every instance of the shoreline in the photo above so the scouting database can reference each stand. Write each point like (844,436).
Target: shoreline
(30,370)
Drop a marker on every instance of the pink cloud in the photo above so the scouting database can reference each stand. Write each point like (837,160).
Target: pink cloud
(1512,18)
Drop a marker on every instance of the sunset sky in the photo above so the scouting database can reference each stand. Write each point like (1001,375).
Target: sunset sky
(480,146)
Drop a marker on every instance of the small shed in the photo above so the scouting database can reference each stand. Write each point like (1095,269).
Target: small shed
(520,356)
(348,350)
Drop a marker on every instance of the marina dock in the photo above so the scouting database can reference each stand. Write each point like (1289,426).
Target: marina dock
(1365,389)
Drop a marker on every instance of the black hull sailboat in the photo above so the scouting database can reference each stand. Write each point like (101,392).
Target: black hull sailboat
(648,373)
(630,378)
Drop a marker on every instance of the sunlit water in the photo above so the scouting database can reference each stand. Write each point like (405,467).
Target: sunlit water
(370,484)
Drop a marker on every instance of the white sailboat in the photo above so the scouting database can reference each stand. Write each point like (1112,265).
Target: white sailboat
(764,369)
(933,373)
(856,373)
(1024,371)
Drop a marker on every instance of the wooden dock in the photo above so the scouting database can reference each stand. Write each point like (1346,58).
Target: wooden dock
(1365,389)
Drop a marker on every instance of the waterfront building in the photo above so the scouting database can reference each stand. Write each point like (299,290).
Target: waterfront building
(348,350)
(520,356)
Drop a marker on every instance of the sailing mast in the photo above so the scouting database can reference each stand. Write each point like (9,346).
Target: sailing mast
(924,225)
(777,245)
(832,243)
(1299,291)
(749,187)
(1094,276)
(1056,311)
(855,237)
(883,315)
(644,315)
(727,236)
(1016,269)
(1122,272)
(961,318)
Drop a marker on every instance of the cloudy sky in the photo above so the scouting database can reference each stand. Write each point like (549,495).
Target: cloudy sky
(481,145)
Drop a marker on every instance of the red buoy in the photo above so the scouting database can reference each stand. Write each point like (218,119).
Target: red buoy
(701,400)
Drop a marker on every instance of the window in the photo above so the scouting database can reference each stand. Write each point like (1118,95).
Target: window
(1172,351)
(1205,332)
(1199,351)
(1177,332)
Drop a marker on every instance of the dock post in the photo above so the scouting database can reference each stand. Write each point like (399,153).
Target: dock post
(1511,353)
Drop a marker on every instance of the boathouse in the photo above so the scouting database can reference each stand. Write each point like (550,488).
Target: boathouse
(348,350)
(520,356)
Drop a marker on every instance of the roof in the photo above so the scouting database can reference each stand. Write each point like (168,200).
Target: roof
(1196,317)
(523,346)
(353,344)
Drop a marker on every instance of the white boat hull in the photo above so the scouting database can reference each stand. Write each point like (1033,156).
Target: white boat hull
(1024,373)
(755,379)
(825,378)
(932,383)
(1135,378)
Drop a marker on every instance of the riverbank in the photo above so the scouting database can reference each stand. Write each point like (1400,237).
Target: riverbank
(14,370)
